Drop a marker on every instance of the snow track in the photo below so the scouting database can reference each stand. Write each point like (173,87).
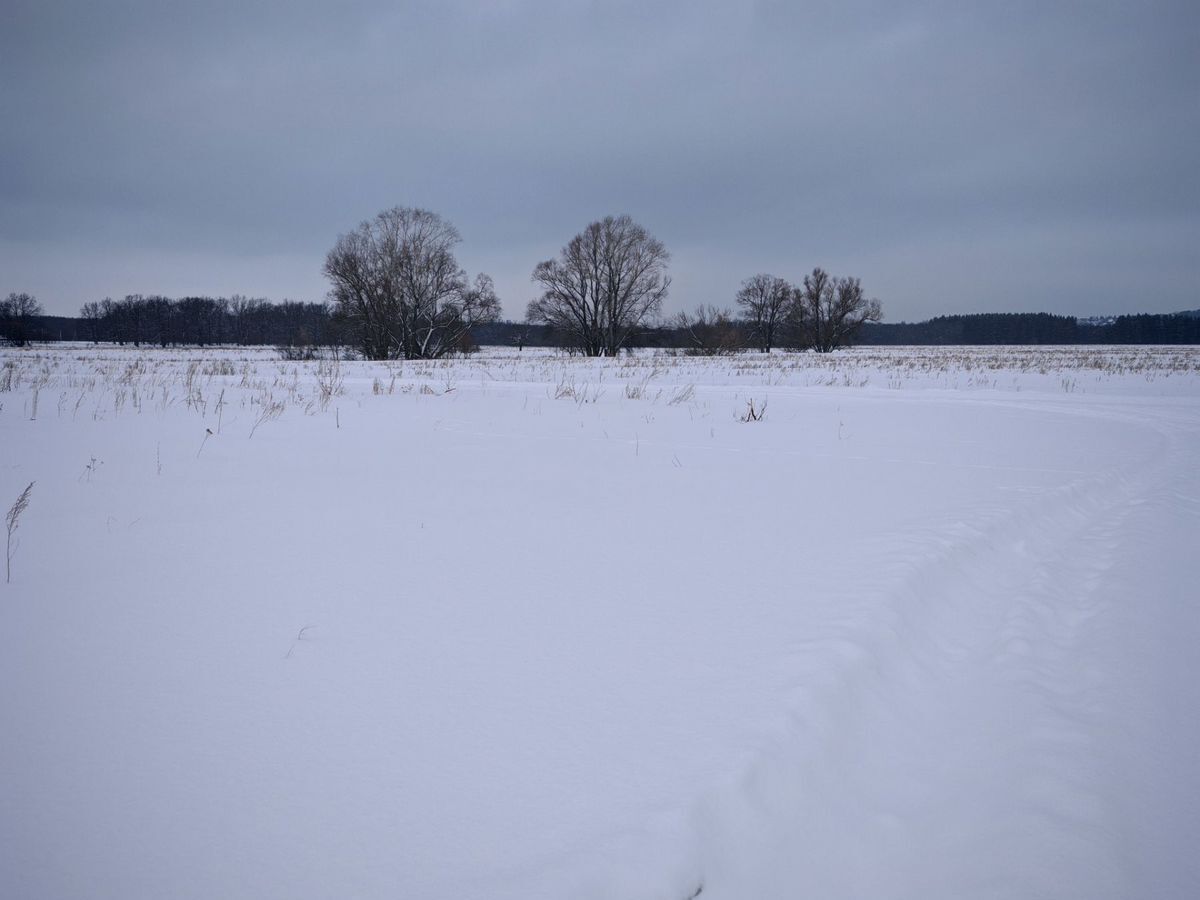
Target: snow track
(985,744)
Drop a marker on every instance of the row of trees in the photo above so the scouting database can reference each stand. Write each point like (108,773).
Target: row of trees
(984,328)
(822,313)
(1038,328)
(401,293)
(164,321)
(707,330)
(611,280)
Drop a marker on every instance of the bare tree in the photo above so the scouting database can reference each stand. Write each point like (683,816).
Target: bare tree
(241,308)
(17,313)
(765,301)
(93,316)
(397,283)
(162,321)
(827,312)
(708,331)
(606,283)
(198,320)
(129,319)
(244,313)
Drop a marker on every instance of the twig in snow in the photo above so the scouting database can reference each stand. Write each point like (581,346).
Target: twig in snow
(299,638)
(269,412)
(12,520)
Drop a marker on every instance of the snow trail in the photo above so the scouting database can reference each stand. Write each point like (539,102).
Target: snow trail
(983,744)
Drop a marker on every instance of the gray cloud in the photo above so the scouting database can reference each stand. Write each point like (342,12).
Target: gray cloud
(956,156)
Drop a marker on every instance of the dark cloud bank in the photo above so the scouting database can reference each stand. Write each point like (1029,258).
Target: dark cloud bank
(958,157)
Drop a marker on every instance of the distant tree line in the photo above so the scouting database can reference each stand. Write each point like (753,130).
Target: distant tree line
(710,331)
(162,321)
(1037,328)
(707,330)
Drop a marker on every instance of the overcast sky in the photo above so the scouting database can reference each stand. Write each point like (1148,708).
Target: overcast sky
(956,156)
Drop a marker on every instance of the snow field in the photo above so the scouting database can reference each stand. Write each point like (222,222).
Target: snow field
(526,625)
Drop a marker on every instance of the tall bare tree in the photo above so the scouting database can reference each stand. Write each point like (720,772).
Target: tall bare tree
(610,280)
(92,316)
(827,312)
(17,312)
(243,311)
(397,283)
(765,301)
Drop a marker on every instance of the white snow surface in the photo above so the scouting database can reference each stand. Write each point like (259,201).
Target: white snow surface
(534,626)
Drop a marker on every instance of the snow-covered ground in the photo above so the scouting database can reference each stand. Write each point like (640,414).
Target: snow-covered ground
(531,626)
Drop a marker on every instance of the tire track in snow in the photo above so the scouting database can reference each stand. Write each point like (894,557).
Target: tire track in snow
(958,750)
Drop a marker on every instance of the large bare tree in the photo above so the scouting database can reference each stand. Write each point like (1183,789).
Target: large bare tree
(17,313)
(765,301)
(609,281)
(397,283)
(92,316)
(827,312)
